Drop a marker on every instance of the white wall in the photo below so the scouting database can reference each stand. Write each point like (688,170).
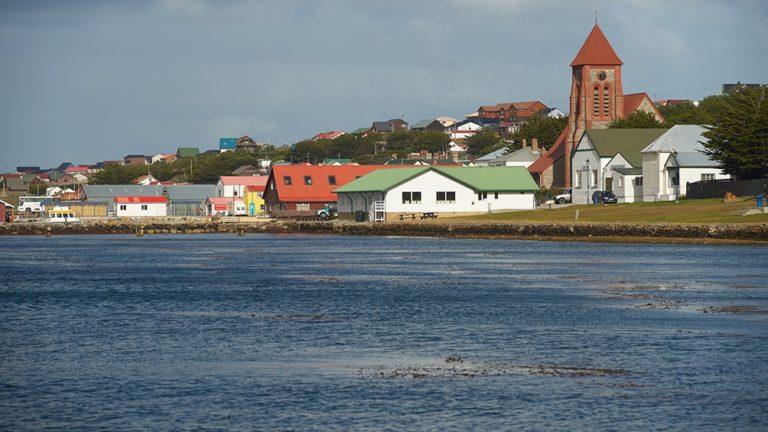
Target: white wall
(134,209)
(229,191)
(467,200)
(582,194)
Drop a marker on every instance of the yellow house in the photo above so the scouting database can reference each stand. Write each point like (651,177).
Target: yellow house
(253,200)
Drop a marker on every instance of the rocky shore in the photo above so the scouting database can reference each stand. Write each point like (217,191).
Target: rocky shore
(672,233)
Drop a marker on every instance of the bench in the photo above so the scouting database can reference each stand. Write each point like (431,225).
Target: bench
(404,216)
(429,215)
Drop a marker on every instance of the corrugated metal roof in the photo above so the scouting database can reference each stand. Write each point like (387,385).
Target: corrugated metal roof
(488,179)
(686,141)
(243,180)
(628,142)
(176,193)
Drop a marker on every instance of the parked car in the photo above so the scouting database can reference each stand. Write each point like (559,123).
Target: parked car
(327,212)
(563,197)
(604,197)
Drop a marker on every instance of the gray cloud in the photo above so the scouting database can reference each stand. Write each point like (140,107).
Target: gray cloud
(98,80)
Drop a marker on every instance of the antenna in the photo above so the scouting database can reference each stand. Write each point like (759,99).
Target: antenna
(595,16)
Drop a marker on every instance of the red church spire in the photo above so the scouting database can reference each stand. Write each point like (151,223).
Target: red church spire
(596,51)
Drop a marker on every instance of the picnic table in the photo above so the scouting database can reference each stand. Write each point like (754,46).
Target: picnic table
(429,215)
(404,216)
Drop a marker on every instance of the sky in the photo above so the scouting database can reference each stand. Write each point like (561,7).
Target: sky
(84,81)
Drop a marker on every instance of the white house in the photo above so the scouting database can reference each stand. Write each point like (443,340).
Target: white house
(594,160)
(234,186)
(141,206)
(464,130)
(674,159)
(441,190)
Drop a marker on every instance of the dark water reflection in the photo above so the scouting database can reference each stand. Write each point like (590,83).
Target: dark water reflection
(352,333)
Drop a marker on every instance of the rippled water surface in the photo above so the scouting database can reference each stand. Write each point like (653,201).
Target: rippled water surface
(267,332)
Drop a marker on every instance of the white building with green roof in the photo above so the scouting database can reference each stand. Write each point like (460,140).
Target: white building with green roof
(440,190)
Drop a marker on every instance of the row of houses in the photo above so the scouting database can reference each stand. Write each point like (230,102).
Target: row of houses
(641,164)
(380,192)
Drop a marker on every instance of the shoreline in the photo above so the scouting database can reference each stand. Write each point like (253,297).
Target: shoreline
(755,234)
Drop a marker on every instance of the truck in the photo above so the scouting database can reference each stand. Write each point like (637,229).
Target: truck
(327,212)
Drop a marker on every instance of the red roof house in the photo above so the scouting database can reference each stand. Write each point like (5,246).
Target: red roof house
(294,190)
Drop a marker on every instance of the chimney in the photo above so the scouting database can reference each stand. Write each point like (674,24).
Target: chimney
(535,144)
(525,143)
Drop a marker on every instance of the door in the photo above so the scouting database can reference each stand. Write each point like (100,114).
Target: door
(609,184)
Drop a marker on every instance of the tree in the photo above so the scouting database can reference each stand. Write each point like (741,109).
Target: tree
(637,120)
(545,129)
(738,137)
(400,141)
(309,151)
(432,141)
(483,140)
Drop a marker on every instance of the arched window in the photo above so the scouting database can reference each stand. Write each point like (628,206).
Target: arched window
(596,101)
(606,100)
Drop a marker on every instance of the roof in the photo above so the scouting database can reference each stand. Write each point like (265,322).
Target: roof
(188,151)
(227,143)
(320,190)
(224,200)
(633,101)
(628,142)
(6,204)
(550,156)
(480,179)
(422,124)
(493,155)
(527,154)
(596,51)
(243,180)
(686,141)
(360,130)
(140,199)
(628,171)
(189,192)
(107,193)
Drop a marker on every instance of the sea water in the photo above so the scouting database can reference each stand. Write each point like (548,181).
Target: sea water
(300,332)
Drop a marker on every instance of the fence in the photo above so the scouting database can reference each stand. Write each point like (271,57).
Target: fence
(84,209)
(718,188)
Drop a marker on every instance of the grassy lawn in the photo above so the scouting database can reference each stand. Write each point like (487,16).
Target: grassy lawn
(706,211)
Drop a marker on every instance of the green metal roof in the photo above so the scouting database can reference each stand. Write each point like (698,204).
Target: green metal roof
(628,142)
(185,152)
(480,179)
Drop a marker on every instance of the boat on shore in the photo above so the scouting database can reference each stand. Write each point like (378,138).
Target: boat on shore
(61,214)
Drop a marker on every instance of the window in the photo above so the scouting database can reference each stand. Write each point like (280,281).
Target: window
(287,180)
(621,182)
(308,180)
(578,179)
(606,100)
(123,207)
(639,181)
(234,191)
(482,195)
(596,102)
(594,178)
(143,206)
(302,207)
(443,197)
(495,195)
(411,197)
(331,180)
(707,177)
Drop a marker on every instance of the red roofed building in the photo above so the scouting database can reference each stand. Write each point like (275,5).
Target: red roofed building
(80,169)
(597,99)
(328,135)
(141,206)
(298,190)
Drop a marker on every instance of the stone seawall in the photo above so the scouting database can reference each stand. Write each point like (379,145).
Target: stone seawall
(578,232)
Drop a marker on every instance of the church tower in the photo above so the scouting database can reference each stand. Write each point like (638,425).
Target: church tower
(597,97)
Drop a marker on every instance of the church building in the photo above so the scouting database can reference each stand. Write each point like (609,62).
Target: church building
(597,99)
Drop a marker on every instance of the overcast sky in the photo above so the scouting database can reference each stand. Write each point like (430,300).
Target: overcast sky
(88,80)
